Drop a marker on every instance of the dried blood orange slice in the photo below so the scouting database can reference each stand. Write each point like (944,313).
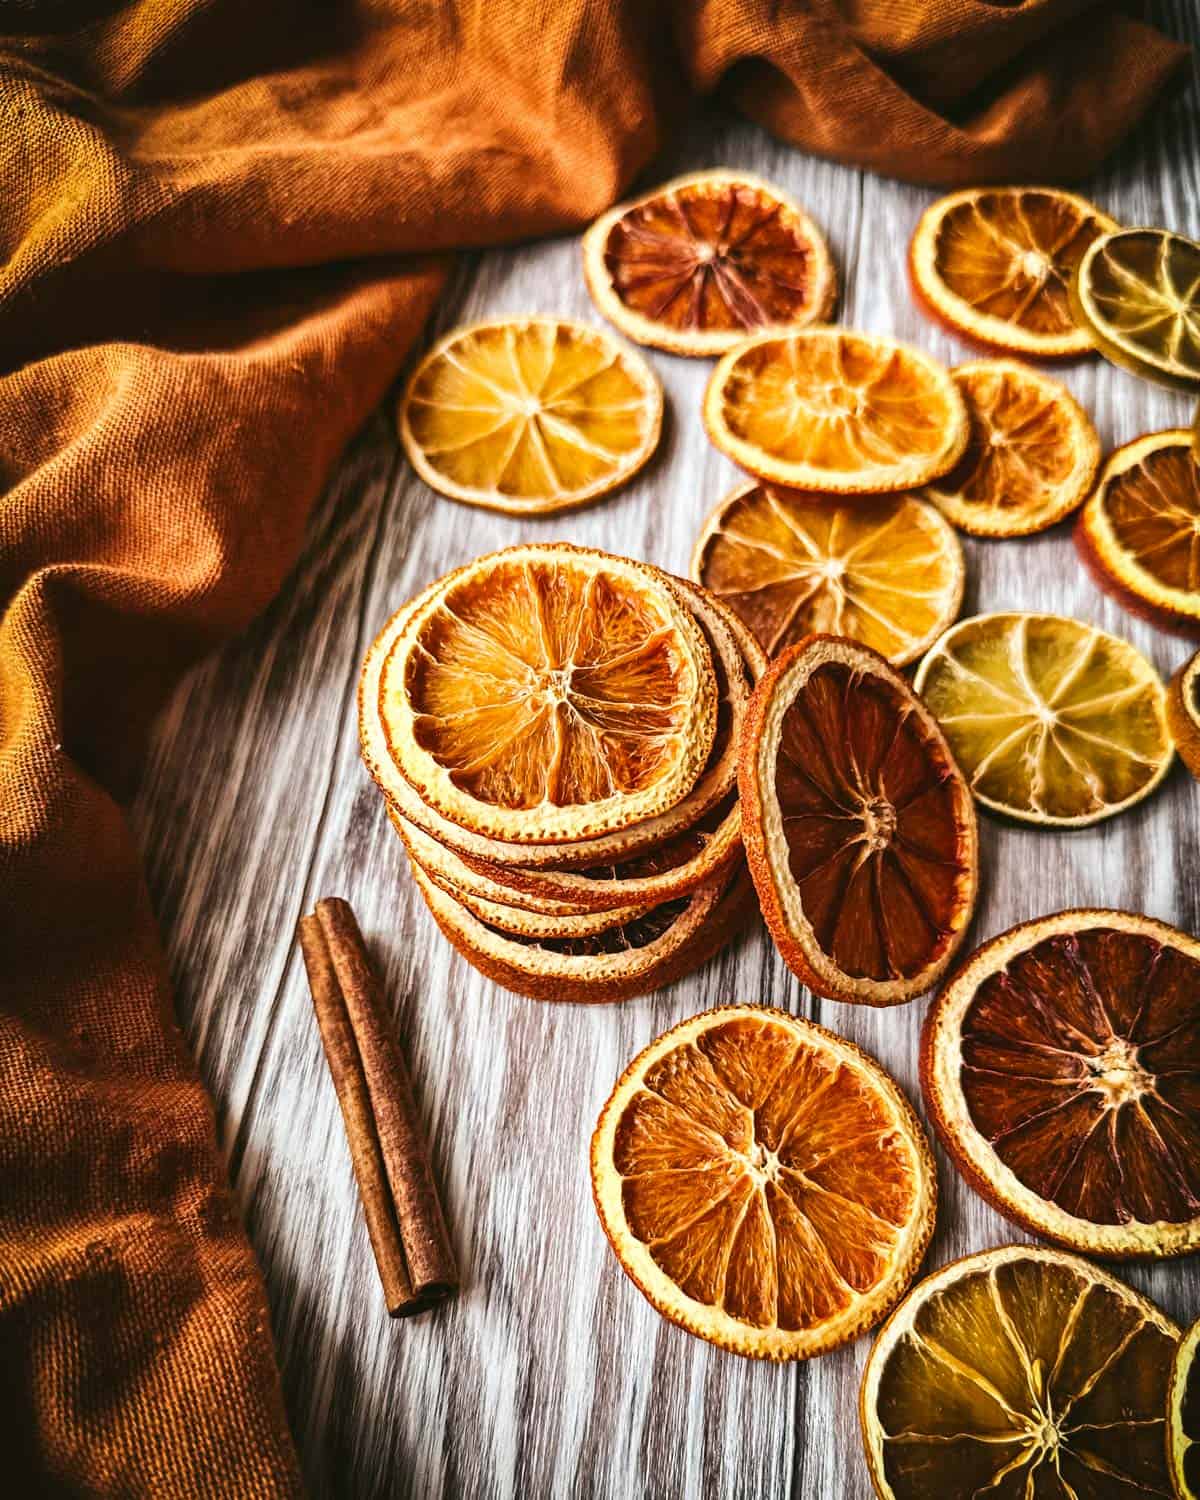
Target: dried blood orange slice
(1183,713)
(859,828)
(1052,721)
(887,571)
(529,415)
(1031,457)
(827,409)
(1021,1373)
(1137,294)
(700,263)
(1061,1067)
(996,265)
(549,693)
(763,1182)
(653,950)
(1139,533)
(1183,1416)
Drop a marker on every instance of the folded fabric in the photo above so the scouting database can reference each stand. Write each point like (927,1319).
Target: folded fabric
(218,220)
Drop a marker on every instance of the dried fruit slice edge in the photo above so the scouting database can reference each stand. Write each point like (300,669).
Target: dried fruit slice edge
(1183,1416)
(941,1062)
(1183,713)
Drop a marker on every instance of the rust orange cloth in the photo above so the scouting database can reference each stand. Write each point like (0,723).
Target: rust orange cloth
(216,224)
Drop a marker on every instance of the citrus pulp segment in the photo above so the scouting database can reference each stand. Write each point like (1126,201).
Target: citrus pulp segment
(996,265)
(1137,294)
(887,571)
(1061,1067)
(763,1182)
(1139,532)
(859,828)
(699,263)
(1183,713)
(828,409)
(549,693)
(529,415)
(1021,1373)
(1052,721)
(1031,457)
(1183,1416)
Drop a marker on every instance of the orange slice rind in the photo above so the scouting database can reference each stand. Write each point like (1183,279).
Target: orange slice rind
(1183,713)
(696,265)
(1059,1067)
(763,1183)
(995,264)
(887,572)
(1032,454)
(529,415)
(828,409)
(1183,1416)
(1052,721)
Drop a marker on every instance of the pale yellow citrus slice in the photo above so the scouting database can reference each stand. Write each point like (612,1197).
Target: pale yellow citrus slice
(763,1182)
(1137,294)
(1139,532)
(996,264)
(1061,1068)
(1183,1416)
(699,263)
(887,572)
(529,415)
(1052,721)
(1183,713)
(859,828)
(1031,458)
(549,693)
(828,409)
(1019,1373)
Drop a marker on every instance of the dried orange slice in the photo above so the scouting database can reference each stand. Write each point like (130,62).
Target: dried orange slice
(1031,457)
(1052,721)
(859,828)
(887,571)
(1139,533)
(1183,713)
(827,409)
(1061,1067)
(549,693)
(996,265)
(1137,293)
(699,263)
(1183,1417)
(529,415)
(535,926)
(763,1182)
(645,954)
(1020,1373)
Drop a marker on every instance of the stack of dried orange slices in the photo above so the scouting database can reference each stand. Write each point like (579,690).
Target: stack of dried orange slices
(554,731)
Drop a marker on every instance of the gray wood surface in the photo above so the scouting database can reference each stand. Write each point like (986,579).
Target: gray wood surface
(550,1376)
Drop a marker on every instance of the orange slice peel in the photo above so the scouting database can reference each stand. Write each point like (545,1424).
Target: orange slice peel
(1183,713)
(1183,1416)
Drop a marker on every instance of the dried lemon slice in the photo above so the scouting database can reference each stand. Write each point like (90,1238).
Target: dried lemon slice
(828,409)
(529,415)
(699,263)
(1052,721)
(996,265)
(1137,295)
(1032,454)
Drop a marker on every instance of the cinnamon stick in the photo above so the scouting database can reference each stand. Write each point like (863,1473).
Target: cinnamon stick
(387,1145)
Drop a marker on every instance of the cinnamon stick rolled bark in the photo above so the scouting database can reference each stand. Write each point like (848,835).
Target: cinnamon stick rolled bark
(387,1145)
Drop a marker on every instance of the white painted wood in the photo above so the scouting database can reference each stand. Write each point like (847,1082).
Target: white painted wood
(550,1376)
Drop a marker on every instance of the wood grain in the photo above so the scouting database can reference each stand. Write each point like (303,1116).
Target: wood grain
(550,1376)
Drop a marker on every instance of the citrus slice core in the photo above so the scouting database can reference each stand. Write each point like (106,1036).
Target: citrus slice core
(1137,293)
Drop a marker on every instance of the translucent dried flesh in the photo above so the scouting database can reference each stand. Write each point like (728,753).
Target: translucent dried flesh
(875,842)
(1143,294)
(1154,510)
(764,1177)
(1047,716)
(1081,1067)
(707,256)
(1011,254)
(1027,1382)
(541,683)
(1023,466)
(879,571)
(841,404)
(531,411)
